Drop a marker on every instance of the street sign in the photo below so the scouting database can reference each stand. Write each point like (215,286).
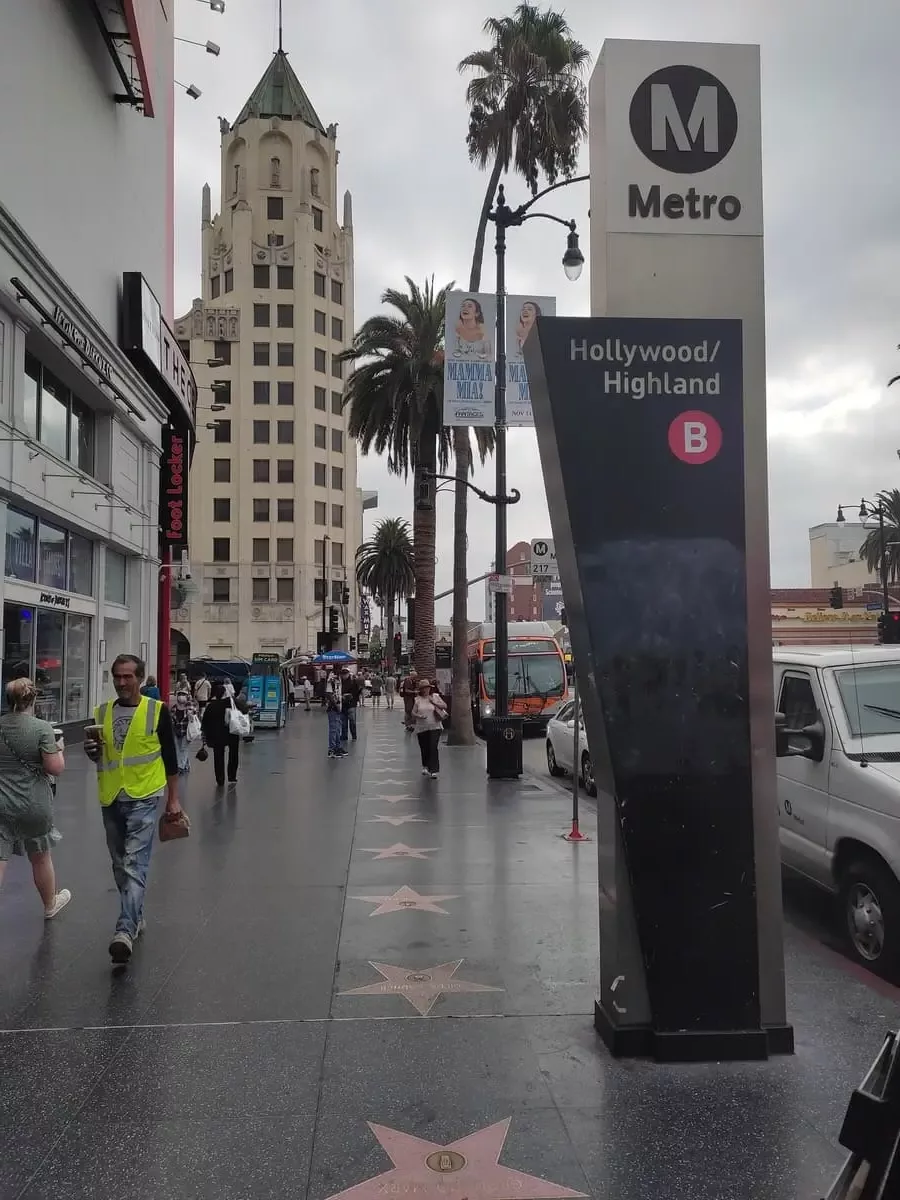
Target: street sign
(543,558)
(500,583)
(876,607)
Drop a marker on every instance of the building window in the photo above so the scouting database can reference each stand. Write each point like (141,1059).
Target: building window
(21,546)
(221,470)
(285,354)
(320,400)
(261,470)
(215,287)
(275,208)
(337,403)
(261,591)
(275,239)
(285,391)
(319,591)
(337,441)
(318,284)
(221,509)
(221,390)
(284,591)
(285,316)
(222,431)
(260,433)
(285,510)
(229,280)
(320,473)
(319,436)
(337,516)
(337,367)
(337,292)
(221,351)
(285,278)
(319,360)
(318,222)
(261,317)
(337,554)
(337,329)
(285,470)
(260,509)
(284,550)
(221,551)
(41,553)
(261,354)
(337,591)
(319,551)
(260,391)
(81,565)
(261,275)
(337,478)
(221,591)
(260,550)
(53,648)
(57,418)
(320,515)
(115,586)
(286,433)
(319,322)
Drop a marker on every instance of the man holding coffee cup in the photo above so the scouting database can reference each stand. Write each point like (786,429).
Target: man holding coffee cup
(133,744)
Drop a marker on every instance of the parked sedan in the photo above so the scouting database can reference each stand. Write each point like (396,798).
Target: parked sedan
(561,747)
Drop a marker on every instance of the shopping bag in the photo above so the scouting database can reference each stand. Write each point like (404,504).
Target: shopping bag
(193,727)
(238,723)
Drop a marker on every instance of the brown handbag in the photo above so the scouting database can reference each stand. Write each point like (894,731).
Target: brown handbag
(173,826)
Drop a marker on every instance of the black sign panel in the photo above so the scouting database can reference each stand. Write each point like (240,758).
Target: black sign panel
(640,427)
(173,489)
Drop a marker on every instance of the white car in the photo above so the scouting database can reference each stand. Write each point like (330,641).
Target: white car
(561,747)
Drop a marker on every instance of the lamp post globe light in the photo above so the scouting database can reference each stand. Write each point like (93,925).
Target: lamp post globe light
(866,510)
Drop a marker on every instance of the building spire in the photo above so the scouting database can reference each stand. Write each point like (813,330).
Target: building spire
(280,28)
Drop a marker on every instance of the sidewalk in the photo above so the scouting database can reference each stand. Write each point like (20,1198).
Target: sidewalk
(349,966)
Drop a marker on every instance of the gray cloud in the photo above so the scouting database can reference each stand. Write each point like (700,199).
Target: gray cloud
(387,74)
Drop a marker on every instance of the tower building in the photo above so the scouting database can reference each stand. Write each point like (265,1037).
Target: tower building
(275,514)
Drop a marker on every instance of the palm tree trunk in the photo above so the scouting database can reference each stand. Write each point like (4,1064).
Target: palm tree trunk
(462,732)
(423,554)
(389,632)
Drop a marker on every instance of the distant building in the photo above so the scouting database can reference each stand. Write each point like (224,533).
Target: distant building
(531,599)
(834,555)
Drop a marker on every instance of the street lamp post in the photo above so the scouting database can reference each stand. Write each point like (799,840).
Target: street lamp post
(325,540)
(505,218)
(866,510)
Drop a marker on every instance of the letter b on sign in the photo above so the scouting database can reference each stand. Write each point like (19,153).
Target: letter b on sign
(695,437)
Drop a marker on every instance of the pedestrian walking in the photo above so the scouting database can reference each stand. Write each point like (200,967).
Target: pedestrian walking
(390,689)
(201,692)
(429,711)
(408,690)
(351,694)
(307,688)
(132,741)
(333,702)
(29,755)
(150,689)
(184,717)
(377,689)
(217,735)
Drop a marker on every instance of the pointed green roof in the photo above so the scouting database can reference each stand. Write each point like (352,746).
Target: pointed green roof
(280,94)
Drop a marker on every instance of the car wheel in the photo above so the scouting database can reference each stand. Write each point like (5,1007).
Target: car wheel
(552,765)
(587,774)
(870,907)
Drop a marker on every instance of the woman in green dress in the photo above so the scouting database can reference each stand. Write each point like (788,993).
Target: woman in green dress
(29,755)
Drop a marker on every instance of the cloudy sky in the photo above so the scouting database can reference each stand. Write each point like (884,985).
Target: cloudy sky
(386,73)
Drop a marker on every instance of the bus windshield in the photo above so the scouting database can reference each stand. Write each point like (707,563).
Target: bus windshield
(528,675)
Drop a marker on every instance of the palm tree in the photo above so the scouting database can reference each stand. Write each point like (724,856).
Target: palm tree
(871,549)
(395,395)
(385,566)
(528,113)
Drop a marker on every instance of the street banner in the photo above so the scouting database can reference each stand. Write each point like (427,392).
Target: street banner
(471,356)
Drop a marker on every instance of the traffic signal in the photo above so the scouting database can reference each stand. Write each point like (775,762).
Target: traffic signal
(411,618)
(398,646)
(889,628)
(345,596)
(333,619)
(425,492)
(352,642)
(837,597)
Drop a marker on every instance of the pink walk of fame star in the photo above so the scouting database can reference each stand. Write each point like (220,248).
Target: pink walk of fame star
(400,850)
(395,820)
(468,1169)
(421,987)
(405,898)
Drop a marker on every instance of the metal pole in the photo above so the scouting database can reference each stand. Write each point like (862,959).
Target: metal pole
(500,599)
(164,624)
(324,582)
(885,596)
(575,834)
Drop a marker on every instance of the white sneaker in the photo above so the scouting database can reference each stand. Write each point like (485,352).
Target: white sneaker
(425,771)
(120,947)
(434,774)
(60,900)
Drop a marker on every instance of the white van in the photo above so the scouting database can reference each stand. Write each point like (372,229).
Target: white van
(839,786)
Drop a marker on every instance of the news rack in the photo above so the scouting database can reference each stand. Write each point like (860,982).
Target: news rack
(871,1132)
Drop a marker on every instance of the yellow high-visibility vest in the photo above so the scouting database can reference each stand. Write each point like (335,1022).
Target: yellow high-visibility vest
(137,769)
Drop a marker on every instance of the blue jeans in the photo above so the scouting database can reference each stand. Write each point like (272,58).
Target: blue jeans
(348,723)
(130,825)
(334,731)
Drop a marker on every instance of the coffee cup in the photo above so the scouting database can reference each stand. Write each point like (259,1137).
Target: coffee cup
(93,733)
(60,740)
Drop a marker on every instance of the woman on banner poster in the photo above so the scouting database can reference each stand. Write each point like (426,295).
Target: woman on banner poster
(528,316)
(472,340)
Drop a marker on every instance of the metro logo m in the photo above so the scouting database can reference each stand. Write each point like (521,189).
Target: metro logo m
(665,117)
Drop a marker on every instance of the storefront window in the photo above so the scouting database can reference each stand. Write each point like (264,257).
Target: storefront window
(81,565)
(78,641)
(20,546)
(52,556)
(18,642)
(116,577)
(49,651)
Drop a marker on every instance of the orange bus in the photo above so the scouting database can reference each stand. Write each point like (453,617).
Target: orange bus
(537,672)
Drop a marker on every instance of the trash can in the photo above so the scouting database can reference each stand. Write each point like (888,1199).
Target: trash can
(503,739)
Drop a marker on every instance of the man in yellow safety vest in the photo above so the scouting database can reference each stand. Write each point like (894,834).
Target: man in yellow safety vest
(133,744)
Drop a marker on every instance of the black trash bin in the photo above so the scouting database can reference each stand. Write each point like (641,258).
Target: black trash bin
(503,739)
